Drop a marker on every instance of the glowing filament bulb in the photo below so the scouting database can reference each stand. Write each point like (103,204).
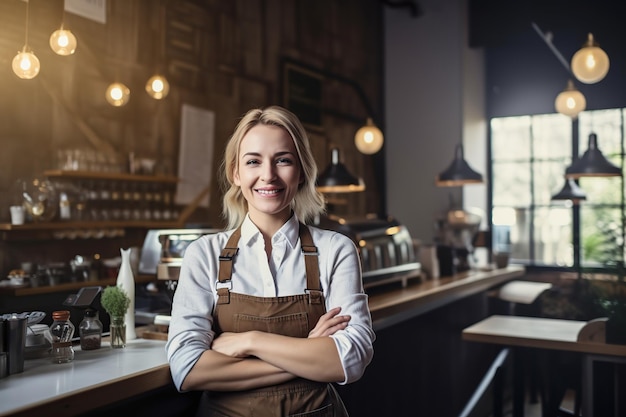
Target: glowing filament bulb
(63,42)
(157,87)
(25,64)
(117,94)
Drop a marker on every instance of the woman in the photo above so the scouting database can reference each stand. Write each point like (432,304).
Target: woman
(267,314)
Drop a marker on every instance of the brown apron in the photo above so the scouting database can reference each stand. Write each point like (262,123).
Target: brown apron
(293,316)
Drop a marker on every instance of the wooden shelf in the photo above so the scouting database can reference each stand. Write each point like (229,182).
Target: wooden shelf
(25,290)
(91,225)
(114,176)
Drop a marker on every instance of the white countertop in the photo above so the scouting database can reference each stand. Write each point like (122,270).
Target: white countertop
(87,382)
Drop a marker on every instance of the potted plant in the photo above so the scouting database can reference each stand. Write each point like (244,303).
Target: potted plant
(613,303)
(115,301)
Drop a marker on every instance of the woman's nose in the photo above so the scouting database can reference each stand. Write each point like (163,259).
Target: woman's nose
(269,173)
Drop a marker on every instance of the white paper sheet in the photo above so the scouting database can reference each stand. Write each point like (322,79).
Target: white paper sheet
(524,292)
(195,157)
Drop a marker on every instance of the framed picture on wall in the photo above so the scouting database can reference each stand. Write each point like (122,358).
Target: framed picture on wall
(302,94)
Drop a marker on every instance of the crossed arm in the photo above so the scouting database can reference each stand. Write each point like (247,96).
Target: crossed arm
(239,361)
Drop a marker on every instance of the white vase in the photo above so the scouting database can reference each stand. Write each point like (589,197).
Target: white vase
(126,281)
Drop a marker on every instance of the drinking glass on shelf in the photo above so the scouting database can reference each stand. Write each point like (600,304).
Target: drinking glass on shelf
(40,199)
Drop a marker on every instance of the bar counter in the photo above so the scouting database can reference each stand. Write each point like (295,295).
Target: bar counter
(105,376)
(95,378)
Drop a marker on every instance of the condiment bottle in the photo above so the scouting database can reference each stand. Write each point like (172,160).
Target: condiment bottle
(90,330)
(62,331)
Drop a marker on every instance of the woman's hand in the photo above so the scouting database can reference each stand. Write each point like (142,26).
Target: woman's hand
(232,344)
(330,323)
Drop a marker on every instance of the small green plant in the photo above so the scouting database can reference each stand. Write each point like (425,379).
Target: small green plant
(115,300)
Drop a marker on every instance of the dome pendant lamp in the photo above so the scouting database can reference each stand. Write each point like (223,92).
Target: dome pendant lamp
(337,179)
(571,192)
(590,64)
(570,101)
(592,163)
(459,172)
(26,64)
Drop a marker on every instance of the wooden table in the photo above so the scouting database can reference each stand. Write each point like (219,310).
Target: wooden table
(551,334)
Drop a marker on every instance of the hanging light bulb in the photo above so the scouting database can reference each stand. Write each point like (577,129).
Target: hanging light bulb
(590,64)
(570,101)
(26,64)
(117,94)
(369,139)
(157,87)
(63,42)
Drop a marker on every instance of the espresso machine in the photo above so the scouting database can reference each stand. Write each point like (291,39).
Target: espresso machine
(456,231)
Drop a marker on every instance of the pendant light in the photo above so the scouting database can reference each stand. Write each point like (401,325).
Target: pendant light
(26,64)
(590,64)
(592,163)
(369,139)
(570,191)
(117,94)
(157,86)
(63,42)
(570,101)
(337,179)
(459,172)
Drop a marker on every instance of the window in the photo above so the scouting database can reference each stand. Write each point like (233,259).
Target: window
(529,158)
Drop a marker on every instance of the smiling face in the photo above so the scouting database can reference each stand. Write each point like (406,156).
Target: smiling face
(268,173)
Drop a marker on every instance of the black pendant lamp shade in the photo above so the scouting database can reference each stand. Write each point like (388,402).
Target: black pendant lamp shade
(336,178)
(570,191)
(459,172)
(592,163)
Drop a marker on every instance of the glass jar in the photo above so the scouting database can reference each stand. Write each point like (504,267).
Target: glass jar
(90,330)
(62,331)
(118,332)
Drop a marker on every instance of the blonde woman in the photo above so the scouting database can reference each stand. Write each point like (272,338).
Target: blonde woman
(269,313)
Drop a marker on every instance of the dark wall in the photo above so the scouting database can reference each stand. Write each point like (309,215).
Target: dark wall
(523,75)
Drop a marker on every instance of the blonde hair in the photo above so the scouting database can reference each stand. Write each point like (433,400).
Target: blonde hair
(307,203)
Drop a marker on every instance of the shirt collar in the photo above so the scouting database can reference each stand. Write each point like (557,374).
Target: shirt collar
(290,231)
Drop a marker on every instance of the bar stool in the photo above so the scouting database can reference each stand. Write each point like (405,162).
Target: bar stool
(522,298)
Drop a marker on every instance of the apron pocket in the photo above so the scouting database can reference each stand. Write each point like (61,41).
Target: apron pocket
(326,411)
(294,325)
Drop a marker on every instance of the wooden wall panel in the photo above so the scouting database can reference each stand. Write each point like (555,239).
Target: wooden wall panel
(221,55)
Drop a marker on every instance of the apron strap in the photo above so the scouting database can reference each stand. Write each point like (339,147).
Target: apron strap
(310,252)
(226,266)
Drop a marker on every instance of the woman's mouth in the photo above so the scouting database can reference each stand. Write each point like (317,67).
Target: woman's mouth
(273,191)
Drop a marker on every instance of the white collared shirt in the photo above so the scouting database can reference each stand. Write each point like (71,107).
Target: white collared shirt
(190,331)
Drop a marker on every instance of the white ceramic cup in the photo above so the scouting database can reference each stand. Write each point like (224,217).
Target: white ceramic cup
(17,214)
